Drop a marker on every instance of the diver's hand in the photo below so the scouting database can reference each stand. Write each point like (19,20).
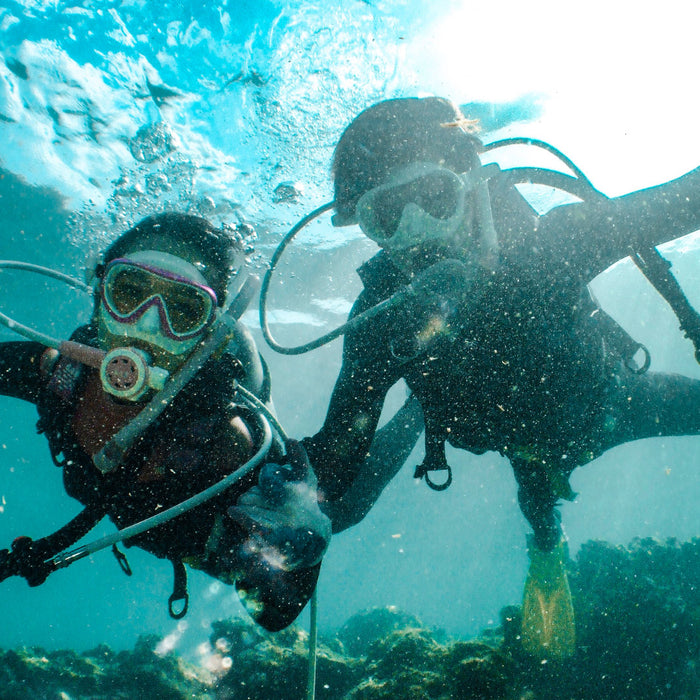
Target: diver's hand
(281,514)
(27,559)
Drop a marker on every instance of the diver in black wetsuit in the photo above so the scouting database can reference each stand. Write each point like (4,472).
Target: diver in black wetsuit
(160,294)
(496,335)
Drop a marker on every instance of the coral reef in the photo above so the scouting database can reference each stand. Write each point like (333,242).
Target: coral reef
(100,674)
(638,636)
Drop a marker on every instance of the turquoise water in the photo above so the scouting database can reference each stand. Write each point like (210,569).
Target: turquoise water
(112,110)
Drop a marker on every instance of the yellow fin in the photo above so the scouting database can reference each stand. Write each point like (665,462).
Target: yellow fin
(548,628)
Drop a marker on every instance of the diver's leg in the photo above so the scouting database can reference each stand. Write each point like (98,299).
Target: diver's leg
(537,502)
(390,449)
(651,405)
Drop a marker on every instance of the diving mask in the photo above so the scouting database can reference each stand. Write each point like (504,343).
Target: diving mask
(157,298)
(420,203)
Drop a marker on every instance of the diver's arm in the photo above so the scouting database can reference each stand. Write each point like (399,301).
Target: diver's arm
(338,449)
(390,449)
(20,371)
(368,372)
(591,236)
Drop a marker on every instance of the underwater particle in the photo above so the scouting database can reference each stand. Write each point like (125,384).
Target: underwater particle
(287,192)
(214,589)
(435,326)
(610,422)
(361,421)
(244,233)
(170,641)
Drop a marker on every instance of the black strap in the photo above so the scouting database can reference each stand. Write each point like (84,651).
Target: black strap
(435,460)
(658,271)
(179,590)
(121,560)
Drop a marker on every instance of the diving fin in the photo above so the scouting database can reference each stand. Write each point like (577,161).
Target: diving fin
(548,628)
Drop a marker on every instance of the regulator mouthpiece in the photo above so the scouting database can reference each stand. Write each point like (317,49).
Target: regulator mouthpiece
(126,374)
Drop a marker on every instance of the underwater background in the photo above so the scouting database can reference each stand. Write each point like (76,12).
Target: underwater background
(113,110)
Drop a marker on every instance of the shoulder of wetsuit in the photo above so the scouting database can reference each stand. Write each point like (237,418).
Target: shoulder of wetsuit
(61,386)
(56,408)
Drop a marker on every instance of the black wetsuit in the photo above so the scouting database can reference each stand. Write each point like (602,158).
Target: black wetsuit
(189,447)
(521,366)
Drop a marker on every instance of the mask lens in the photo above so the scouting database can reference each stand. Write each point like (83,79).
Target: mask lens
(187,307)
(437,193)
(129,289)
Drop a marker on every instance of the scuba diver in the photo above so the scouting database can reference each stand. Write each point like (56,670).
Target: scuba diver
(481,305)
(159,414)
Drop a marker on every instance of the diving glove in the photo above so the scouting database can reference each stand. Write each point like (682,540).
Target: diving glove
(548,628)
(29,559)
(281,515)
